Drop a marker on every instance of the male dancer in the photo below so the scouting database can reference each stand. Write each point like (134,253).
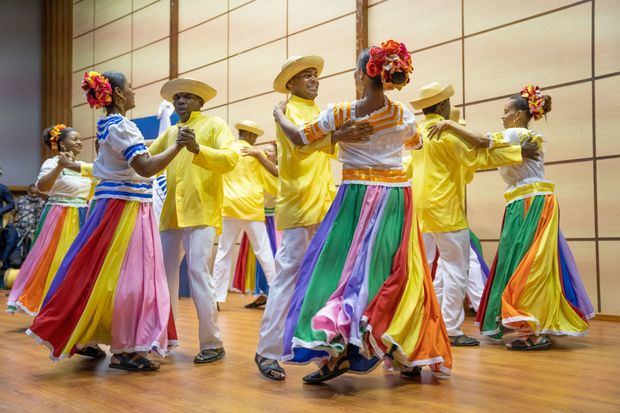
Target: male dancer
(305,194)
(192,211)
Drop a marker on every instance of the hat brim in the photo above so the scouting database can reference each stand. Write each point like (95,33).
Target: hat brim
(427,101)
(251,129)
(180,85)
(299,65)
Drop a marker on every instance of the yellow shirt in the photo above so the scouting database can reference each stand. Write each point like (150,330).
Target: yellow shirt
(244,187)
(442,169)
(306,184)
(194,182)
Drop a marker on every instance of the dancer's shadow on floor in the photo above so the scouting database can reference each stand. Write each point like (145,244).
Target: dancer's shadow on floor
(352,384)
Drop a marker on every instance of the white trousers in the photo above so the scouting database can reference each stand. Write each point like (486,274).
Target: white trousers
(475,280)
(197,245)
(290,254)
(259,240)
(452,275)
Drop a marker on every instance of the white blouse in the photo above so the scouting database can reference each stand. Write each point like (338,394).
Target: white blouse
(70,187)
(393,125)
(120,141)
(527,172)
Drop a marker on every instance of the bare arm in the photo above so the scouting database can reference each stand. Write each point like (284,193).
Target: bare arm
(262,158)
(470,136)
(46,182)
(148,165)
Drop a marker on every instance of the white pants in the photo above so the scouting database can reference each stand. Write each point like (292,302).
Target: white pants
(475,283)
(290,254)
(451,278)
(197,245)
(259,240)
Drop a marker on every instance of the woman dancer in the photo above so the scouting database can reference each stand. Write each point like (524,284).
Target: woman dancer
(534,287)
(365,293)
(111,287)
(61,219)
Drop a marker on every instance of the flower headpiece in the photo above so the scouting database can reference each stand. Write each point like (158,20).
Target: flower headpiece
(535,101)
(388,59)
(55,135)
(98,90)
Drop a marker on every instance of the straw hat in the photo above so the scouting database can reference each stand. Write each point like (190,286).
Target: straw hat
(248,125)
(294,65)
(187,85)
(455,115)
(432,94)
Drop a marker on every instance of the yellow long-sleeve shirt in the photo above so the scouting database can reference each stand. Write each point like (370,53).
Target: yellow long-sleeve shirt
(245,187)
(306,184)
(442,169)
(195,188)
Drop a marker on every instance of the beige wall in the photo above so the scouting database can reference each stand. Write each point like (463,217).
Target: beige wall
(488,49)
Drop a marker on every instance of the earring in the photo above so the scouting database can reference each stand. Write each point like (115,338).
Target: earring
(123,103)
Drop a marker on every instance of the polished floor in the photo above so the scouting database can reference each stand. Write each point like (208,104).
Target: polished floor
(577,375)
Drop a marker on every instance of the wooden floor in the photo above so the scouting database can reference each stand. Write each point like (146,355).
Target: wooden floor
(578,375)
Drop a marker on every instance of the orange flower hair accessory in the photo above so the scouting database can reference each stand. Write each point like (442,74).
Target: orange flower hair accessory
(98,89)
(388,59)
(535,100)
(55,135)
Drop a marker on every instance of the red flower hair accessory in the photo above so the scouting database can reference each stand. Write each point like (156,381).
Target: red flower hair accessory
(388,59)
(55,135)
(535,100)
(98,89)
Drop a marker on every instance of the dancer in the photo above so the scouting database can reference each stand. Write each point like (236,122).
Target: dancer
(243,210)
(61,219)
(249,275)
(192,211)
(442,169)
(111,286)
(305,193)
(364,292)
(478,268)
(534,287)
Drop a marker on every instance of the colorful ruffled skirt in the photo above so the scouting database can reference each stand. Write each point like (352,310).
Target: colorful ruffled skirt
(534,286)
(58,227)
(249,275)
(365,289)
(111,287)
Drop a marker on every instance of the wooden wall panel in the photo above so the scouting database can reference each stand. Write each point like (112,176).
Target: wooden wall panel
(151,24)
(192,50)
(608,116)
(247,31)
(607,36)
(215,75)
(501,61)
(610,282)
(483,14)
(339,34)
(417,23)
(252,73)
(307,13)
(608,180)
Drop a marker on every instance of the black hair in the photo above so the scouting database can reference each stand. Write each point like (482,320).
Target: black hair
(398,78)
(521,103)
(47,137)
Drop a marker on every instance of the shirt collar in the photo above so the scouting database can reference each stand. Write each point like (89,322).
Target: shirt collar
(192,117)
(301,100)
(433,116)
